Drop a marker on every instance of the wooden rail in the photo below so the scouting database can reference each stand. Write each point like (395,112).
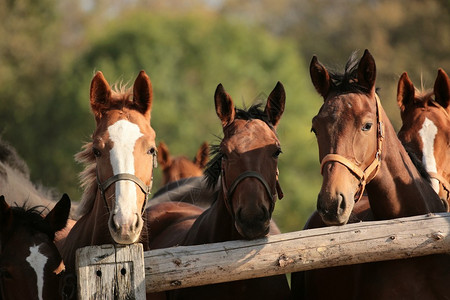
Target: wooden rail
(186,266)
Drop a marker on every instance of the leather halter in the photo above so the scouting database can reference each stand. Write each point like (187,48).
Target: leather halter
(146,189)
(366,175)
(228,192)
(443,182)
(434,175)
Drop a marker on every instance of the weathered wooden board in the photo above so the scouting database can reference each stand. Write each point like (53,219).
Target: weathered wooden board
(111,272)
(186,266)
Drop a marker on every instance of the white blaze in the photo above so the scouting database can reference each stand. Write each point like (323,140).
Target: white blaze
(124,135)
(37,261)
(428,133)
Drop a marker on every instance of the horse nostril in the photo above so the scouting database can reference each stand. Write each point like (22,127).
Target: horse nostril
(342,205)
(265,214)
(113,224)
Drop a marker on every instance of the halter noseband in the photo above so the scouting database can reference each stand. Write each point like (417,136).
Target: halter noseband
(146,189)
(228,192)
(364,176)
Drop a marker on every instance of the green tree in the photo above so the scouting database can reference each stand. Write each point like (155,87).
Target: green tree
(186,57)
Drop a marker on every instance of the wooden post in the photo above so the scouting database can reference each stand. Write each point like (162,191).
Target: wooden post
(111,272)
(186,266)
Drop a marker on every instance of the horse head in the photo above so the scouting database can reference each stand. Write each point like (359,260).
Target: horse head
(249,160)
(124,148)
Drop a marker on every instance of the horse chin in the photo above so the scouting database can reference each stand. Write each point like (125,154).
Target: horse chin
(126,236)
(252,232)
(124,239)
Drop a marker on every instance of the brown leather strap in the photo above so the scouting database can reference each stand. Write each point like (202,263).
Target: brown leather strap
(372,170)
(443,182)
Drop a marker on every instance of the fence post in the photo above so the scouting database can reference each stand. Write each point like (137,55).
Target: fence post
(111,272)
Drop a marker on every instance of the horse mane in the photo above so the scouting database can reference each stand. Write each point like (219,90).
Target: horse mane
(213,168)
(418,164)
(347,82)
(9,156)
(121,97)
(32,217)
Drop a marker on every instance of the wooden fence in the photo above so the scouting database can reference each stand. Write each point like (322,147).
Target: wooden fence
(185,266)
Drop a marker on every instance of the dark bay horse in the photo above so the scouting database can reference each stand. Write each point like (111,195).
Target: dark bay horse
(426,128)
(245,164)
(119,168)
(179,167)
(30,264)
(359,151)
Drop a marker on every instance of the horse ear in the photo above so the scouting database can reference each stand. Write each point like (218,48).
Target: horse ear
(442,89)
(275,104)
(5,214)
(405,92)
(201,158)
(367,72)
(319,77)
(164,158)
(224,106)
(100,94)
(57,217)
(143,94)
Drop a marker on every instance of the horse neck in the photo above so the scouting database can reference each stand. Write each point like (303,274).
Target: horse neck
(214,225)
(91,229)
(398,190)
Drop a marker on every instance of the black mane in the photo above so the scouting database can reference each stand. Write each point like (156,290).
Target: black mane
(347,82)
(32,218)
(213,168)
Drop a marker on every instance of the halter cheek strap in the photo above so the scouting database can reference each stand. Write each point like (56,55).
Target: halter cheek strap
(228,192)
(366,175)
(443,182)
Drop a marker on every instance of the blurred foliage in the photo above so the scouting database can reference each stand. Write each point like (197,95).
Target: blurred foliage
(186,58)
(50,50)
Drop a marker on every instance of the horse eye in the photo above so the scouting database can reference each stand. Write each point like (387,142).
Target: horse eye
(96,152)
(366,127)
(277,153)
(5,274)
(152,150)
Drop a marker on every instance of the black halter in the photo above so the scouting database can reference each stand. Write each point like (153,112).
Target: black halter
(146,189)
(228,192)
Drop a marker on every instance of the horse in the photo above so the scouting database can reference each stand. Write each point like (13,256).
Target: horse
(360,152)
(31,266)
(426,128)
(179,167)
(245,166)
(118,172)
(15,180)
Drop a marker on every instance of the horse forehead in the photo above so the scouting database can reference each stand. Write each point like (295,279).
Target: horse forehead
(124,123)
(250,134)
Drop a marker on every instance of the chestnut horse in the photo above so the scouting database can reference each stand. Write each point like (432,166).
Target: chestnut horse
(426,128)
(179,167)
(245,165)
(359,151)
(30,264)
(119,168)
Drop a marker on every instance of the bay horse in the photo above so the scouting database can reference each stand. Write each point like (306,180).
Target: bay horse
(31,266)
(119,168)
(360,151)
(179,167)
(426,128)
(245,164)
